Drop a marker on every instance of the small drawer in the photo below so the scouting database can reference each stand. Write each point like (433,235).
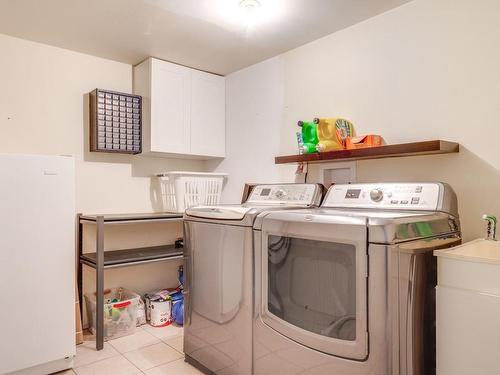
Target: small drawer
(109,134)
(136,132)
(116,108)
(109,106)
(100,100)
(101,122)
(101,111)
(137,137)
(109,96)
(101,128)
(129,121)
(109,123)
(109,112)
(136,111)
(109,118)
(101,117)
(116,97)
(129,99)
(129,110)
(130,136)
(137,143)
(136,100)
(101,145)
(109,128)
(136,116)
(130,142)
(123,147)
(101,139)
(123,120)
(129,126)
(116,147)
(129,115)
(135,105)
(123,131)
(116,102)
(109,145)
(100,94)
(137,148)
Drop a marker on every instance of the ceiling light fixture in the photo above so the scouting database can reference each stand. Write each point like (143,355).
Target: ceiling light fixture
(245,16)
(249,5)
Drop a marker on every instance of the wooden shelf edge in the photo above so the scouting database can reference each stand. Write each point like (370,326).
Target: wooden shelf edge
(385,151)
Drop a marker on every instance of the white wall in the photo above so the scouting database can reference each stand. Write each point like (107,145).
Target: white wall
(254,110)
(44,110)
(426,70)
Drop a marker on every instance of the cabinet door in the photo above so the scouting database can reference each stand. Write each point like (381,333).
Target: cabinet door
(208,117)
(468,332)
(170,107)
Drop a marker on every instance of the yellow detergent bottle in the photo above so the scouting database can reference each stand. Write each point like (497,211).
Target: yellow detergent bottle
(332,133)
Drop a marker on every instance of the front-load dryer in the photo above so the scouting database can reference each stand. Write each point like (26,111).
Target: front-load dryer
(349,288)
(218,289)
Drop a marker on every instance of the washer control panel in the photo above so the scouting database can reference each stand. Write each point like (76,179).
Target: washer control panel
(409,196)
(292,194)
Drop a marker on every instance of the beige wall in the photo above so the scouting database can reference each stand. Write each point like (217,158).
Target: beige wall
(43,110)
(426,70)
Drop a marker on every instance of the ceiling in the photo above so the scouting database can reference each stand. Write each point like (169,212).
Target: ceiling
(213,35)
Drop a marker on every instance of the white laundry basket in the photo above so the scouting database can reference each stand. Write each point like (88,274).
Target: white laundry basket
(181,190)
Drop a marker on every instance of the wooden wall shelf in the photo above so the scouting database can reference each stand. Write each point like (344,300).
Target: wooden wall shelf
(385,151)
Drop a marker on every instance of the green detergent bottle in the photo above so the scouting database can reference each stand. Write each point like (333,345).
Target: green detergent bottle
(309,131)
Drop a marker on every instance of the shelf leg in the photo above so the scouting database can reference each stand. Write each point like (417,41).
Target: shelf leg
(79,266)
(100,282)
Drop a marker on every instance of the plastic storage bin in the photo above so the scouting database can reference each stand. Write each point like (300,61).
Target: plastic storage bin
(181,190)
(120,318)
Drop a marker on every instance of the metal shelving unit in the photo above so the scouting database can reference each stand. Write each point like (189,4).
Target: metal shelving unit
(101,260)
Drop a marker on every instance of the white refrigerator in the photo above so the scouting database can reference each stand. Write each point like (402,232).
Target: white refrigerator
(37,264)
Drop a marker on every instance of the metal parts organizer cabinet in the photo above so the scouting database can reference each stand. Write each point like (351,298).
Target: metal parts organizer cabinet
(101,260)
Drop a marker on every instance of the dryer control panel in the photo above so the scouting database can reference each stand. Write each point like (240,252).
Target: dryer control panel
(408,196)
(291,194)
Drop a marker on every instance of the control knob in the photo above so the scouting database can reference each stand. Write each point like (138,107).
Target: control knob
(280,194)
(376,195)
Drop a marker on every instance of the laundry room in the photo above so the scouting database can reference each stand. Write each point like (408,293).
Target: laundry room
(249,187)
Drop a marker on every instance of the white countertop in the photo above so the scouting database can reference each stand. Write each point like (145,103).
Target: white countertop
(479,250)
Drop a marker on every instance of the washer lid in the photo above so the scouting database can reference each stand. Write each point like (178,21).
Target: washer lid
(225,212)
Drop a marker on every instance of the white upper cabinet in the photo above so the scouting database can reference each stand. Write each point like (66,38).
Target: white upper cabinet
(183,110)
(207,114)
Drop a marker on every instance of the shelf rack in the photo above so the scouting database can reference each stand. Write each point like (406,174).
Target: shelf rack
(385,151)
(101,260)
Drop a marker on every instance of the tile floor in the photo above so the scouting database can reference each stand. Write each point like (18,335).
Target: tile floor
(150,350)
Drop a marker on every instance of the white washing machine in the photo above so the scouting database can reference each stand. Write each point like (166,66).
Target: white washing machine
(218,250)
(349,288)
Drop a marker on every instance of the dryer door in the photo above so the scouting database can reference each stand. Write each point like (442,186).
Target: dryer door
(314,281)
